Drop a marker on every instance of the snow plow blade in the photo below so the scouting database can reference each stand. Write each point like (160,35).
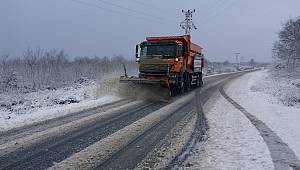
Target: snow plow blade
(144,89)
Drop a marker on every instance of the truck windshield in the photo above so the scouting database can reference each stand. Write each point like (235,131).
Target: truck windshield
(158,51)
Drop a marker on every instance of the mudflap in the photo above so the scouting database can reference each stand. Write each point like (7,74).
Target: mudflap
(144,89)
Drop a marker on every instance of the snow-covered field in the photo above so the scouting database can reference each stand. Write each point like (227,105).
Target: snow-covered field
(232,142)
(25,108)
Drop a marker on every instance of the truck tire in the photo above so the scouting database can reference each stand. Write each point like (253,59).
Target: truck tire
(198,83)
(188,82)
(199,80)
(181,87)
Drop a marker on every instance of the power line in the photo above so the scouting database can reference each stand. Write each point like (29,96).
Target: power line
(156,8)
(94,5)
(153,6)
(213,7)
(217,12)
(131,10)
(112,11)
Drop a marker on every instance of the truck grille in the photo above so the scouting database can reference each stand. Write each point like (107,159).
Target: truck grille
(155,68)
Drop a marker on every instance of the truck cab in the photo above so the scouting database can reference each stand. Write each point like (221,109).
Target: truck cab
(172,59)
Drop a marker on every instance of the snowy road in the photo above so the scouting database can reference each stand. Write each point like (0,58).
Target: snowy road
(125,134)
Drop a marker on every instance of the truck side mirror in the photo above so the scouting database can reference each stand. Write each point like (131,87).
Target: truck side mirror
(202,62)
(180,50)
(137,51)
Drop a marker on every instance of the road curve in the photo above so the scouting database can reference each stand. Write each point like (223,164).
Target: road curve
(121,151)
(151,120)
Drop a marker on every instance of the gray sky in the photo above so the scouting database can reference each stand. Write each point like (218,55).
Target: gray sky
(112,27)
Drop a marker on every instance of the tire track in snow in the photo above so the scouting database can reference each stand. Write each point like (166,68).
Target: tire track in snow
(201,97)
(282,156)
(56,149)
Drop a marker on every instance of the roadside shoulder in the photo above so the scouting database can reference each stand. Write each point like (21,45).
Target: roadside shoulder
(283,120)
(231,141)
(20,120)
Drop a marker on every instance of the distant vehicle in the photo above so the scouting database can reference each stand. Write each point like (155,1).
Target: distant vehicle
(209,71)
(241,68)
(172,63)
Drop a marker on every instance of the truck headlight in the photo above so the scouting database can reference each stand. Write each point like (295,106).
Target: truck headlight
(176,59)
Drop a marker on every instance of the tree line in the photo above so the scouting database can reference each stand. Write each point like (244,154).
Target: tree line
(50,69)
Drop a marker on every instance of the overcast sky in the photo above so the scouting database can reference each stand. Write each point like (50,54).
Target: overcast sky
(113,27)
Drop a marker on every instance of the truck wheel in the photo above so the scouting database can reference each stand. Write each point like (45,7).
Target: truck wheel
(198,82)
(188,83)
(182,87)
(174,91)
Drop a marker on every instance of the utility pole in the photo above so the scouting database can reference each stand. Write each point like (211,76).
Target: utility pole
(188,24)
(237,60)
(242,60)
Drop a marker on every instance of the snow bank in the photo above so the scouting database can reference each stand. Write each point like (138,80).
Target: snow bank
(49,113)
(253,92)
(26,108)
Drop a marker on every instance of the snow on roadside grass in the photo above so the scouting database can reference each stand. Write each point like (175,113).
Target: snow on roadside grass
(21,109)
(252,91)
(232,142)
(284,86)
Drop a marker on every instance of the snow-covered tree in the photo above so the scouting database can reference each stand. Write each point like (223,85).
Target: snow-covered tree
(40,69)
(287,48)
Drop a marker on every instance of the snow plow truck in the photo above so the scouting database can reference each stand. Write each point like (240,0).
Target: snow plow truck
(167,66)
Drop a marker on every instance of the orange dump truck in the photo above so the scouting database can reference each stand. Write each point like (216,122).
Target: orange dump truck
(168,65)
